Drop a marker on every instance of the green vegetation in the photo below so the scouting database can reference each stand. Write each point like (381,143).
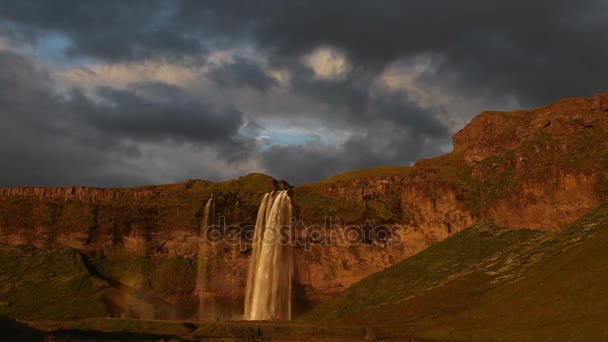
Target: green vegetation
(158,276)
(480,185)
(484,283)
(314,205)
(489,283)
(356,175)
(499,177)
(135,326)
(157,208)
(240,331)
(538,158)
(245,331)
(450,171)
(47,284)
(338,197)
(435,265)
(58,283)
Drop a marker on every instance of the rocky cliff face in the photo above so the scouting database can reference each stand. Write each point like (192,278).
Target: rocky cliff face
(539,169)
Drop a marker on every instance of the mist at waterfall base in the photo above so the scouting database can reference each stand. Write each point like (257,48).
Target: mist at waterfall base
(269,281)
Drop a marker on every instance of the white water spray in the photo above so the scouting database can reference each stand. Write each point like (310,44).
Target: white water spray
(269,283)
(202,281)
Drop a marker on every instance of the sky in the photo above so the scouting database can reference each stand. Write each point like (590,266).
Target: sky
(125,93)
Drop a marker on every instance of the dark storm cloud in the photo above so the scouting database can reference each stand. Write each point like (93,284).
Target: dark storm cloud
(36,145)
(531,51)
(177,117)
(111,30)
(351,102)
(312,161)
(48,138)
(528,50)
(158,112)
(398,133)
(350,93)
(242,73)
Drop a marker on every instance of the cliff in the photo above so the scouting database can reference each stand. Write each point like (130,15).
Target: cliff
(540,169)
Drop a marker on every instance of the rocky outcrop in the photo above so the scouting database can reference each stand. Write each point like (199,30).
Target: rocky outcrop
(81,193)
(547,204)
(494,133)
(542,168)
(435,206)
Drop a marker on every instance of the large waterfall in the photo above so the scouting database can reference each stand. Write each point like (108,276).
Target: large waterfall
(270,273)
(202,277)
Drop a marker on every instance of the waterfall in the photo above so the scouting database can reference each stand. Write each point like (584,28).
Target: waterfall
(202,281)
(269,281)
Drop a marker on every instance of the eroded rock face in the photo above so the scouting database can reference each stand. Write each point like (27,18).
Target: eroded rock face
(549,204)
(600,102)
(80,193)
(542,168)
(538,169)
(494,133)
(435,206)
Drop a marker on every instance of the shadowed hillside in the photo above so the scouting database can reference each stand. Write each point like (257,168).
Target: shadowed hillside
(52,284)
(489,283)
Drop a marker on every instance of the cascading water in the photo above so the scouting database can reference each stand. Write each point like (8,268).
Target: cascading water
(202,282)
(269,282)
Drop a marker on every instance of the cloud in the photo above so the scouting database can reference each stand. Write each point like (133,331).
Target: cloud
(313,160)
(516,48)
(164,112)
(397,133)
(140,88)
(327,63)
(121,75)
(51,138)
(37,144)
(243,73)
(111,30)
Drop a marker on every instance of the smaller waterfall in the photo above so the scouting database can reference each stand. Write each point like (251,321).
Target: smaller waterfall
(269,283)
(202,277)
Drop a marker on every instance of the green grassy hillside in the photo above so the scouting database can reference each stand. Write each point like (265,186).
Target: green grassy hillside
(48,284)
(356,175)
(61,283)
(488,283)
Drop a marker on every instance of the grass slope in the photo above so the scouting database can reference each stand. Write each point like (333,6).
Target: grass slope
(47,284)
(59,283)
(363,173)
(488,283)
